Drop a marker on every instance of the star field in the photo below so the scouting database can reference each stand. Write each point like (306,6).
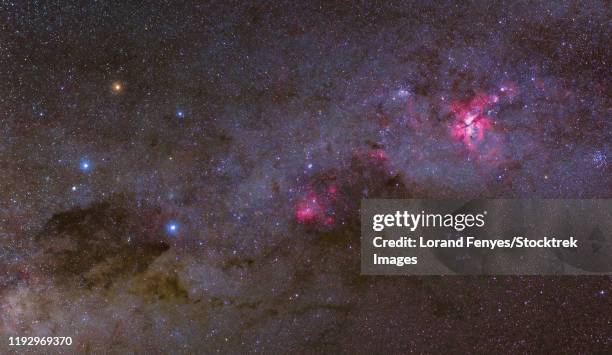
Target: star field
(186,177)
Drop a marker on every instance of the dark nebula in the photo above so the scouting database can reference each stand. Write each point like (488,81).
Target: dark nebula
(186,177)
(96,244)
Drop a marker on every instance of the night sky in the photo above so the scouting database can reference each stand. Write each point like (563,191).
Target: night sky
(186,177)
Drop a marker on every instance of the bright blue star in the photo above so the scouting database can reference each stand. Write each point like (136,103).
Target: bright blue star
(85,165)
(172,227)
(180,114)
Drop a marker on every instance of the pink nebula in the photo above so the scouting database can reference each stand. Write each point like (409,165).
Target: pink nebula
(471,120)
